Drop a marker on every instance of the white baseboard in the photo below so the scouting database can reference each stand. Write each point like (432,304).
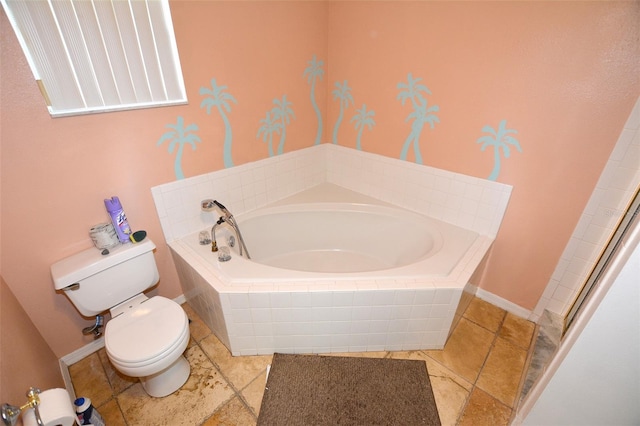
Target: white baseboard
(83,352)
(498,301)
(180,299)
(74,357)
(66,377)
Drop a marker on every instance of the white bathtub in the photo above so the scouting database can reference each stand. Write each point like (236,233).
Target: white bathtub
(337,241)
(331,271)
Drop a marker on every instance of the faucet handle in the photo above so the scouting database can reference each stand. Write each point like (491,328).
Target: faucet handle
(207,205)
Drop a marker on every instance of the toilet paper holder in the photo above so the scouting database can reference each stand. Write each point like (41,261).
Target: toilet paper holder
(10,413)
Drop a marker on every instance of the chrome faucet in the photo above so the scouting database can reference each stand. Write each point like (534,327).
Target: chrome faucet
(227,217)
(214,244)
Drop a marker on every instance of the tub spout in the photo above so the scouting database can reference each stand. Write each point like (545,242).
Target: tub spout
(214,244)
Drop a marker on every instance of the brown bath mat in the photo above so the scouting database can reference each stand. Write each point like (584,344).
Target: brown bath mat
(327,390)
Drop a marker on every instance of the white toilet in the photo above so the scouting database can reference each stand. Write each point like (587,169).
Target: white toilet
(145,337)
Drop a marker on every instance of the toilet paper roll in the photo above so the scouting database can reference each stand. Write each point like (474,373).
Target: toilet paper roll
(55,409)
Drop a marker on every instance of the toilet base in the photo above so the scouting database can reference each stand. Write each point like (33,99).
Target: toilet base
(168,380)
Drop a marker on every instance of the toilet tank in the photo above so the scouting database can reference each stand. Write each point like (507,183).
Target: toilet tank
(106,280)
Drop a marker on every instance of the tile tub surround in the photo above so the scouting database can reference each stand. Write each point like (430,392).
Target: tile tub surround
(469,202)
(320,317)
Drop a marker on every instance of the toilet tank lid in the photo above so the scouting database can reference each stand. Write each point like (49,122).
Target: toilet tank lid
(88,262)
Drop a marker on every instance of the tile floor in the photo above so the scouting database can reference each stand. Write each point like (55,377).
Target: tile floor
(476,379)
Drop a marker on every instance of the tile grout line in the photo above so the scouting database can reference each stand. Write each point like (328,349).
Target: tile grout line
(114,396)
(245,402)
(474,384)
(236,392)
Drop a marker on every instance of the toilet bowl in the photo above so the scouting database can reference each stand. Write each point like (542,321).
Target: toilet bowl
(146,337)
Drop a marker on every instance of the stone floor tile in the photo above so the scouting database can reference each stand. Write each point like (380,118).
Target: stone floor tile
(203,393)
(434,368)
(239,370)
(90,380)
(449,390)
(111,414)
(484,314)
(502,372)
(484,410)
(254,391)
(118,381)
(233,413)
(466,350)
(518,331)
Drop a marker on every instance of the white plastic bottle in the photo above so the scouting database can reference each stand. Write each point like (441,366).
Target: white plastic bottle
(87,414)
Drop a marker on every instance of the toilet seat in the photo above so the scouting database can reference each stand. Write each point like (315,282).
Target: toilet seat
(145,334)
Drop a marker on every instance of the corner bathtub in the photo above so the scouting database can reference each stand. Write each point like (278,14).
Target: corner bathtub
(351,275)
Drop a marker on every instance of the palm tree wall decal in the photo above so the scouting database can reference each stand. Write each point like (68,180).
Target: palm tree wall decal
(343,92)
(420,115)
(268,128)
(499,139)
(282,111)
(220,99)
(363,118)
(179,136)
(313,72)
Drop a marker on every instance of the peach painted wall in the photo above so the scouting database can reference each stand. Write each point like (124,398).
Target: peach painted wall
(564,75)
(26,360)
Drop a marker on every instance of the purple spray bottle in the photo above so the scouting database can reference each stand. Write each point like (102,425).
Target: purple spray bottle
(118,218)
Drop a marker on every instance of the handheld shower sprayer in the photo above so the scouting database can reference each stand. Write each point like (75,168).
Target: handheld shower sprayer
(210,205)
(224,210)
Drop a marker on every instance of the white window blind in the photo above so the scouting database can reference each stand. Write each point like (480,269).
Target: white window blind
(99,55)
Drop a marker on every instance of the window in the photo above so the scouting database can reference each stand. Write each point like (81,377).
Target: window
(93,56)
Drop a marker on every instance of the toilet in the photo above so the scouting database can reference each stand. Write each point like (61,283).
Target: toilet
(145,337)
